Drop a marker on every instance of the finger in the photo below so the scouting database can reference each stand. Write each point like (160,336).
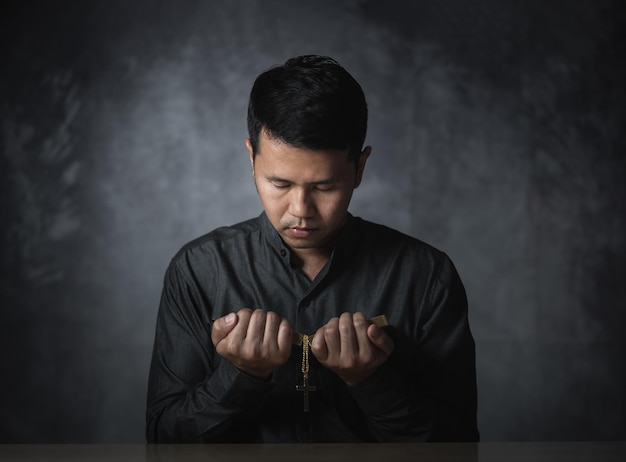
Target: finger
(222,327)
(238,335)
(256,327)
(332,338)
(270,336)
(348,343)
(284,338)
(318,345)
(380,338)
(361,324)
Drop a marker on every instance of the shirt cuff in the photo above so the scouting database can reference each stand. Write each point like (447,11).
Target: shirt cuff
(234,388)
(382,392)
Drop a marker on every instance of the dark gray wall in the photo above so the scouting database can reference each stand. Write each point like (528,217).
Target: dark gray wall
(498,136)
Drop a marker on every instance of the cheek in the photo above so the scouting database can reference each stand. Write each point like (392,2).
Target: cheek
(267,192)
(334,207)
(272,202)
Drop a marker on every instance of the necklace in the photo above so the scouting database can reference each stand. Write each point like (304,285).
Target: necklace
(304,340)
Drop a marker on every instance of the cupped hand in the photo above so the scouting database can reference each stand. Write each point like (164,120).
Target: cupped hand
(257,342)
(351,347)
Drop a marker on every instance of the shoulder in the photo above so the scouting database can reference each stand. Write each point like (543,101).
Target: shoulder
(203,249)
(222,234)
(375,235)
(418,261)
(384,246)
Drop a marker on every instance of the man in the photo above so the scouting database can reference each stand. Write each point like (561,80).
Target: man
(264,331)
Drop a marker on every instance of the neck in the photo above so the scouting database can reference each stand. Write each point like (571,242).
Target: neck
(310,261)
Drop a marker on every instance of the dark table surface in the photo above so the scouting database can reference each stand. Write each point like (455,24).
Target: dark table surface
(483,452)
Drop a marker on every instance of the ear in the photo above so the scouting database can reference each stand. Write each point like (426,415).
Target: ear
(250,153)
(361,165)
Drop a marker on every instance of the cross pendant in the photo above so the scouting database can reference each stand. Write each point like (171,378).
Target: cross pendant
(306,388)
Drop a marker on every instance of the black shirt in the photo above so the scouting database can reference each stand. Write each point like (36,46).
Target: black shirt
(425,391)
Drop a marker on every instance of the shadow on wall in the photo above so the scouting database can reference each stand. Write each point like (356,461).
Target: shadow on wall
(497,136)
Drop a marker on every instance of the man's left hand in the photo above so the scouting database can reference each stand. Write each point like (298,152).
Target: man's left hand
(351,347)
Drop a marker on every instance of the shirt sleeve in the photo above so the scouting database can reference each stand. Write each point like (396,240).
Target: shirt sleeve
(428,394)
(194,395)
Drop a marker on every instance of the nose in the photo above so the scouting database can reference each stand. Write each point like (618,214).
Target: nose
(301,204)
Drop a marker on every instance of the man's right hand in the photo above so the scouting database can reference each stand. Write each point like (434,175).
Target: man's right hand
(257,342)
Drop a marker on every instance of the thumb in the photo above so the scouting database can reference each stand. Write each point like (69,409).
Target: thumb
(318,345)
(222,327)
(380,339)
(285,337)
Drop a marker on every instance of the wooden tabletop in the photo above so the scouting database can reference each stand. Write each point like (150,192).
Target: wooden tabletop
(435,452)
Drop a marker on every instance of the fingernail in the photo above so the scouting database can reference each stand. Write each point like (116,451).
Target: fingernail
(229,319)
(375,332)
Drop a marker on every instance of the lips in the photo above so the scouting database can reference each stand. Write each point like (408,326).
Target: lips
(300,232)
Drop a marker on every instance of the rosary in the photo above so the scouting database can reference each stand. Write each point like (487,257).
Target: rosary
(304,340)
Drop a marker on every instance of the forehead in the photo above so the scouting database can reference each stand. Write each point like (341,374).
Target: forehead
(280,159)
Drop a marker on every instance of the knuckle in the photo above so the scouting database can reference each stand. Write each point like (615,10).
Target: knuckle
(359,320)
(284,355)
(244,313)
(230,349)
(345,329)
(348,364)
(258,314)
(284,324)
(251,352)
(368,357)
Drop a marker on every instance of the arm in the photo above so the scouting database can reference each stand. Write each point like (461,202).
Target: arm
(426,388)
(195,395)
(361,355)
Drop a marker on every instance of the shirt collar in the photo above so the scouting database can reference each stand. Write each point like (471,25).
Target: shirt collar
(345,240)
(272,235)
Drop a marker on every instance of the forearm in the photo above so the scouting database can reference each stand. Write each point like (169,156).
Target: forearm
(409,401)
(209,411)
(394,408)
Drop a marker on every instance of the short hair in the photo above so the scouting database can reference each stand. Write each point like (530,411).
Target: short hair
(309,102)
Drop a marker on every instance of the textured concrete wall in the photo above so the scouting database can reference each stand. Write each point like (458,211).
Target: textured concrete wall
(498,136)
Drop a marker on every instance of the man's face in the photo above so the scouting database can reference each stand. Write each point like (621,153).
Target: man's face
(305,193)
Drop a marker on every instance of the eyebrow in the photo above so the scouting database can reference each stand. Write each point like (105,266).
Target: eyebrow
(278,179)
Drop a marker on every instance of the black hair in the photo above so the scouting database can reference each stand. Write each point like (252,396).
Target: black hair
(309,102)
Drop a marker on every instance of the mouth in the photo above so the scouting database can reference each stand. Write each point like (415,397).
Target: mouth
(297,232)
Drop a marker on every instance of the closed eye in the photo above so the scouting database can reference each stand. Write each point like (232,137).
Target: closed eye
(280,185)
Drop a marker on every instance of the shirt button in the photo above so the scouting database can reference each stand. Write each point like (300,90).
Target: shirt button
(283,252)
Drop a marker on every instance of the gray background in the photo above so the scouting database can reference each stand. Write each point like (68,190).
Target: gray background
(498,136)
